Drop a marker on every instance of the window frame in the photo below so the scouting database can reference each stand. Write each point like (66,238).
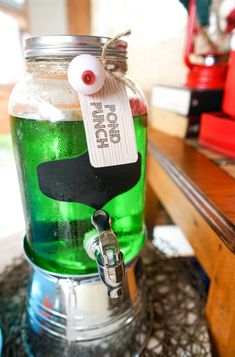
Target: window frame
(21,16)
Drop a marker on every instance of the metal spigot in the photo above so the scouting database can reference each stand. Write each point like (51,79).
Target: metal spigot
(109,258)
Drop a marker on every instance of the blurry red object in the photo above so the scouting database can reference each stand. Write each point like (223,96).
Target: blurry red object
(203,76)
(217,132)
(229,89)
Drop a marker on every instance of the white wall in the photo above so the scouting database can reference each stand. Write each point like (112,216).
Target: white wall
(47,17)
(156,45)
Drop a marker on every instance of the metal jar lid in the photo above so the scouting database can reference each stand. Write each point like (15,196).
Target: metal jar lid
(71,46)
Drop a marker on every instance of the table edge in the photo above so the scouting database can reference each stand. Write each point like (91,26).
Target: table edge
(216,220)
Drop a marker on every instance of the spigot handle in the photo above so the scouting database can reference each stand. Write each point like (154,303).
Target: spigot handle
(101,221)
(108,243)
(110,260)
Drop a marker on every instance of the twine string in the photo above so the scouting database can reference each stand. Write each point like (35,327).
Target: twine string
(113,67)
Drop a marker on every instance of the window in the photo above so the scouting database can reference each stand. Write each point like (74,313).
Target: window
(13,29)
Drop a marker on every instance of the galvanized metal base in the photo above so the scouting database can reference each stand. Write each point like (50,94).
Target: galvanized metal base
(74,316)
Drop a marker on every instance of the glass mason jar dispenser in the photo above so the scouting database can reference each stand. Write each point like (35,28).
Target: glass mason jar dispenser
(68,202)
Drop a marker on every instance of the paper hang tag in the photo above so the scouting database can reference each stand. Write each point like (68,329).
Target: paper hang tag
(109,125)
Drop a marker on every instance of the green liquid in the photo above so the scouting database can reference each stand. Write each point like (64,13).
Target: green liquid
(56,230)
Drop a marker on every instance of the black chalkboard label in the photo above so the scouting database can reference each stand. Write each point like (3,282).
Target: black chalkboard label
(75,180)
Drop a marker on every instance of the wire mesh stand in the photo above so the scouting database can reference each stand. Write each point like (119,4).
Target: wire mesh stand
(176,292)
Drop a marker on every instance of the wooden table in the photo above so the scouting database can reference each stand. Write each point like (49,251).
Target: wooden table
(200,198)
